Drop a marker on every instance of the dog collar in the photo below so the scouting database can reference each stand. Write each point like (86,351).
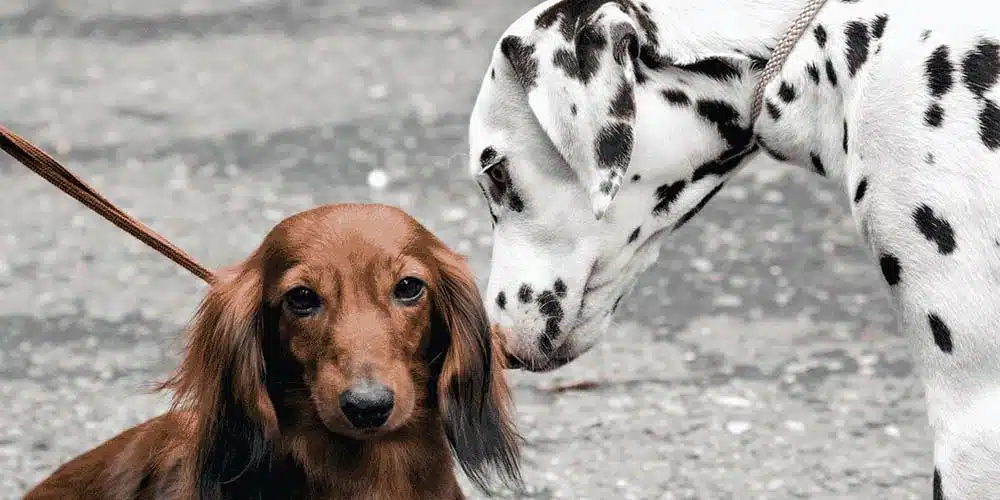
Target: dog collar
(781,52)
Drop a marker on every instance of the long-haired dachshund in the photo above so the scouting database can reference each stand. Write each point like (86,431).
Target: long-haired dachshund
(346,358)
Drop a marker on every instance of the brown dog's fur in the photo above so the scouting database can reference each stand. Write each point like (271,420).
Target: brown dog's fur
(256,412)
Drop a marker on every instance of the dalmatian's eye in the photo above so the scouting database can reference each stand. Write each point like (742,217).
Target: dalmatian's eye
(498,173)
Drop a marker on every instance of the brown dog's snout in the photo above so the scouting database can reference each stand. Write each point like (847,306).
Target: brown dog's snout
(367,404)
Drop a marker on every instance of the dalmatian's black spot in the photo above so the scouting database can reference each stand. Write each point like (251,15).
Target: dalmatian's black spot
(989,125)
(817,163)
(641,78)
(566,61)
(665,195)
(550,307)
(981,67)
(845,137)
(717,111)
(623,105)
(929,159)
(653,59)
(515,202)
(568,13)
(924,35)
(859,192)
(646,23)
(938,491)
(786,92)
(935,229)
(757,62)
(614,145)
(772,109)
(572,109)
(676,97)
(941,333)
(697,208)
(820,33)
(618,301)
(606,187)
(831,73)
(550,16)
(726,120)
(813,72)
(891,269)
(771,151)
(590,43)
(938,69)
(525,293)
(636,178)
(635,234)
(715,68)
(502,300)
(522,59)
(878,25)
(488,156)
(934,115)
(493,74)
(724,164)
(560,288)
(858,41)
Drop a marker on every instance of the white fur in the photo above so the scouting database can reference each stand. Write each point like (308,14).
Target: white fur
(557,236)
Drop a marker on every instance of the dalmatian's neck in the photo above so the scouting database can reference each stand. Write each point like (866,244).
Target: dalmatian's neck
(803,119)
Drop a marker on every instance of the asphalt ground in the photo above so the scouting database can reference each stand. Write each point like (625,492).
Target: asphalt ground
(758,359)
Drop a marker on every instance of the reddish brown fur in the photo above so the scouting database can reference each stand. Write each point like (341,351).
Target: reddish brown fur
(256,412)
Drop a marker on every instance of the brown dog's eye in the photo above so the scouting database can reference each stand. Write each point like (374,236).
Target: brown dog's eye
(302,301)
(408,290)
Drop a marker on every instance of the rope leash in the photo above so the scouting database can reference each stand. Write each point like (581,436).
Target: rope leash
(48,168)
(773,66)
(781,52)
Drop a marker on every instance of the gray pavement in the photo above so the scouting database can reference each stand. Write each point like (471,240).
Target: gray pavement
(757,360)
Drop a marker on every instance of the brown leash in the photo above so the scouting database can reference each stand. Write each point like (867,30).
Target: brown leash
(44,165)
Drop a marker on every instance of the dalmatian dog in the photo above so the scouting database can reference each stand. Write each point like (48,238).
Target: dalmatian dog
(602,126)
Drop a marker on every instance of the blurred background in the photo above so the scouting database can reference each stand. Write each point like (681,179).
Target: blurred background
(757,360)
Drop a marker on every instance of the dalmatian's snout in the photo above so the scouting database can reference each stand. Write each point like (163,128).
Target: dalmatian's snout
(533,316)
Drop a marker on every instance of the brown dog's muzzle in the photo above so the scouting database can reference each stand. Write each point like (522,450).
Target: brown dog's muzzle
(367,404)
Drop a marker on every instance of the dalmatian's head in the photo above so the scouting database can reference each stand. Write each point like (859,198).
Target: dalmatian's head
(591,139)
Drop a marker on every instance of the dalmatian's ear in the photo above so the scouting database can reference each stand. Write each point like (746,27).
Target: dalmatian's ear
(584,96)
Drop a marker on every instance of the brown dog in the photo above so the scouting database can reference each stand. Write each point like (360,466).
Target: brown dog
(346,358)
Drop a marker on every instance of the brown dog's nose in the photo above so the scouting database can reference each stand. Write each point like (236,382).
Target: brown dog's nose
(367,405)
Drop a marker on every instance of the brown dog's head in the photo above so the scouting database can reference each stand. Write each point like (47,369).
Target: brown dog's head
(356,319)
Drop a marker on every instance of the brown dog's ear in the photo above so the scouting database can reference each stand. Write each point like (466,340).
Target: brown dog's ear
(221,380)
(471,390)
